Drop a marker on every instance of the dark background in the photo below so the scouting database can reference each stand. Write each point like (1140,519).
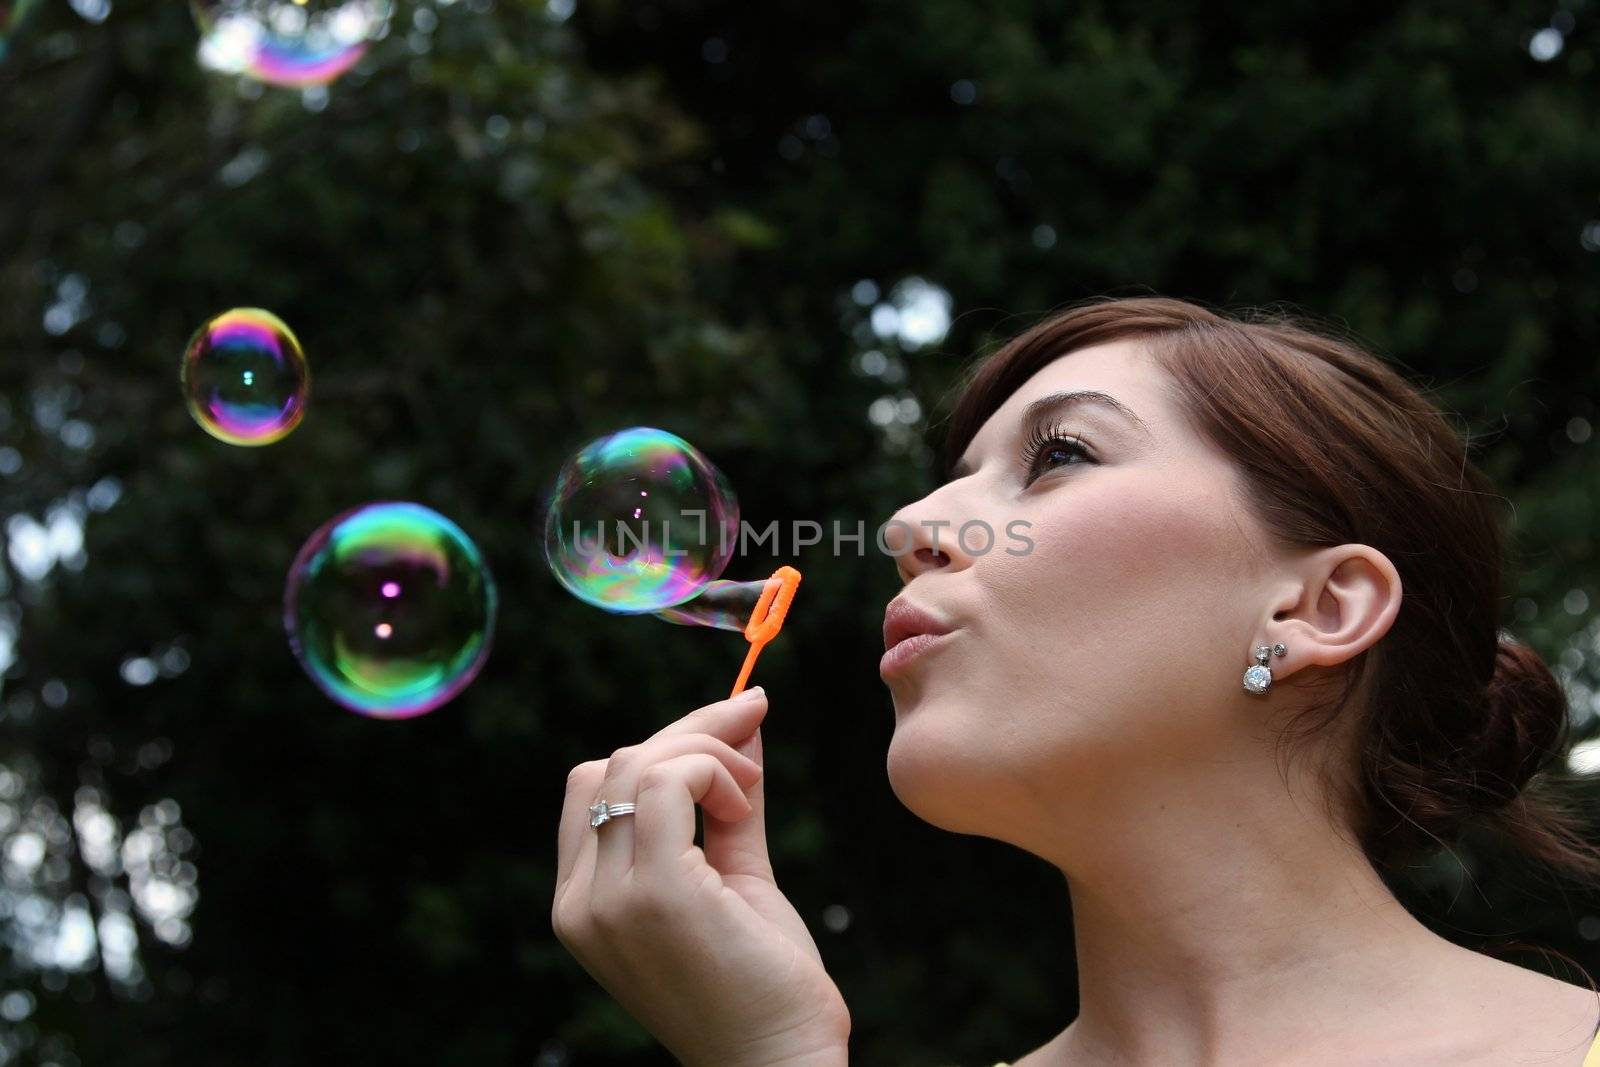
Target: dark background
(516,226)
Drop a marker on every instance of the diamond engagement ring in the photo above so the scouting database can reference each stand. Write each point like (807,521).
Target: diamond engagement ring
(599,813)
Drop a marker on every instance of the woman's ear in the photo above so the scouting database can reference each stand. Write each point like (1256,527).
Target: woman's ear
(1345,601)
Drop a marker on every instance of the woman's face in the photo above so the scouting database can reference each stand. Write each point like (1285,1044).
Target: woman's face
(1110,649)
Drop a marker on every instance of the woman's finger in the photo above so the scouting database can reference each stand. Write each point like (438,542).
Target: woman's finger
(730,720)
(615,841)
(671,790)
(740,847)
(583,781)
(614,901)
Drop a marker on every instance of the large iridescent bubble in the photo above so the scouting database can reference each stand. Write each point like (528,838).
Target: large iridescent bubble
(245,378)
(638,521)
(390,609)
(292,43)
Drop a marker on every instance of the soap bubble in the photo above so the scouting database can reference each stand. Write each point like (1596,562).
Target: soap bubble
(12,12)
(245,377)
(638,521)
(390,609)
(721,605)
(292,43)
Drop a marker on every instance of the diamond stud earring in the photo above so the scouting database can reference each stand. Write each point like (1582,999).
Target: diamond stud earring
(1258,679)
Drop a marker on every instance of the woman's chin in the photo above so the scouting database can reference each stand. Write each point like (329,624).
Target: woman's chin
(926,770)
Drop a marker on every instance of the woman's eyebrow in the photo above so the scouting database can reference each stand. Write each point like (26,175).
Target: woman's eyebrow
(1060,402)
(1077,398)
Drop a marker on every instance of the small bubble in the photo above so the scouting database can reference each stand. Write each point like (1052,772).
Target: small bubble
(390,657)
(638,521)
(296,45)
(245,377)
(963,92)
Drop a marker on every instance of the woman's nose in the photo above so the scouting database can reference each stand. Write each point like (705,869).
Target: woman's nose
(922,559)
(922,541)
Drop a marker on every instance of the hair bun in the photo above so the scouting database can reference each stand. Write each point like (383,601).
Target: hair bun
(1525,722)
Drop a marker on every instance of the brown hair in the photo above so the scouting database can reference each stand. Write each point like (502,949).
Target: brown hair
(1462,722)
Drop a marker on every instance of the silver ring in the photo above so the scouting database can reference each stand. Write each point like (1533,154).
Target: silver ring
(599,813)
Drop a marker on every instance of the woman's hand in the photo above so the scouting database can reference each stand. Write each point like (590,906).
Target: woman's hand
(700,946)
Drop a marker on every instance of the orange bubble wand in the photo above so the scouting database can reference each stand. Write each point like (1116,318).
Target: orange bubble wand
(767,619)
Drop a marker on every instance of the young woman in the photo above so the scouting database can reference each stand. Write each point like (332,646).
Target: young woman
(1207,617)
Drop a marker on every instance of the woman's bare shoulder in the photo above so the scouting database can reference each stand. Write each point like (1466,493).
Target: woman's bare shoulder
(1494,1012)
(1517,1012)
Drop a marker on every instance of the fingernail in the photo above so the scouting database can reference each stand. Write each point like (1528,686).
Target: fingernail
(752,694)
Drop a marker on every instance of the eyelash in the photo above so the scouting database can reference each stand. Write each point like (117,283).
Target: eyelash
(1049,440)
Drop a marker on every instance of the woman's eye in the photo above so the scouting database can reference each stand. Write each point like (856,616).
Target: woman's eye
(1052,452)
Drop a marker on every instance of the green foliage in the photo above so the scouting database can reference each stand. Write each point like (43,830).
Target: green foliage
(655,238)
